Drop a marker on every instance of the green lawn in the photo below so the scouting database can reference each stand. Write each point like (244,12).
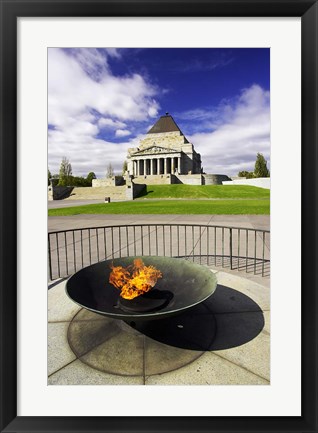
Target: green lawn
(204,191)
(216,207)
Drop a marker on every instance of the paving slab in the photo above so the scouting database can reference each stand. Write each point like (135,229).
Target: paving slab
(253,355)
(241,283)
(262,281)
(209,369)
(85,336)
(78,373)
(160,359)
(60,306)
(59,353)
(122,355)
(261,222)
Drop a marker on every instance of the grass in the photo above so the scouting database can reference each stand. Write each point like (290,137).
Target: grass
(195,207)
(204,191)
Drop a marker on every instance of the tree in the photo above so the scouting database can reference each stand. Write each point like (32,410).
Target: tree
(242,173)
(261,169)
(125,166)
(91,175)
(48,176)
(110,171)
(65,172)
(246,174)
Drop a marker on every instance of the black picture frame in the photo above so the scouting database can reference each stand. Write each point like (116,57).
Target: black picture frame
(10,11)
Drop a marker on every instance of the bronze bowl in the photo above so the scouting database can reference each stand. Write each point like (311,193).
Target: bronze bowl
(183,285)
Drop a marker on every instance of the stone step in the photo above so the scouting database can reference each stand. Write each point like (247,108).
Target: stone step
(90,193)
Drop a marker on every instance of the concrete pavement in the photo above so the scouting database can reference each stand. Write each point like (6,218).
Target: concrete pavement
(226,340)
(261,222)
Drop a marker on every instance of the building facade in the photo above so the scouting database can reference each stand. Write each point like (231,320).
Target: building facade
(164,151)
(164,156)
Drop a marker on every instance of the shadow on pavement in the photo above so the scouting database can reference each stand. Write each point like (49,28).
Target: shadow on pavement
(227,319)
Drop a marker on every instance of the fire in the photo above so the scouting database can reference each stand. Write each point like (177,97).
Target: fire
(134,280)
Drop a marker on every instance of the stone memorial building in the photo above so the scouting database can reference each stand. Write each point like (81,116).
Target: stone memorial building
(163,155)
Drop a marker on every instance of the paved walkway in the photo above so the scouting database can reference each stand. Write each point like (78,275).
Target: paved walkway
(56,204)
(225,340)
(261,222)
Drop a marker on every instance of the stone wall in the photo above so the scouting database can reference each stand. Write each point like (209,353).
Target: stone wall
(171,140)
(115,193)
(260,182)
(186,179)
(189,179)
(133,190)
(161,179)
(214,179)
(237,177)
(111,181)
(191,163)
(59,192)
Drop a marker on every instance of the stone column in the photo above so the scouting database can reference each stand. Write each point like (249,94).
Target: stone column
(165,166)
(179,164)
(151,166)
(172,165)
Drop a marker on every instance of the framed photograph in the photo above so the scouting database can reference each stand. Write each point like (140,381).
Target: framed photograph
(240,78)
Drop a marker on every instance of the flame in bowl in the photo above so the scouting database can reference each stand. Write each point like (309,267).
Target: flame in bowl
(135,279)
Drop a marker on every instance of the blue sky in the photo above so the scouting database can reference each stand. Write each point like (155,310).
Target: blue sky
(102,101)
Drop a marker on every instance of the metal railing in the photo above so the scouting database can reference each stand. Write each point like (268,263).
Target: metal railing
(235,248)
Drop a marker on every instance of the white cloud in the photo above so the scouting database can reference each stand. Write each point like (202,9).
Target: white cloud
(85,98)
(153,110)
(92,61)
(85,156)
(195,114)
(122,133)
(242,129)
(110,123)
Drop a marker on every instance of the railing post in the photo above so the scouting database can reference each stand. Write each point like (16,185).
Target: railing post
(50,258)
(255,252)
(263,254)
(231,248)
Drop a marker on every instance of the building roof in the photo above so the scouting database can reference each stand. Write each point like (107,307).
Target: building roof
(164,124)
